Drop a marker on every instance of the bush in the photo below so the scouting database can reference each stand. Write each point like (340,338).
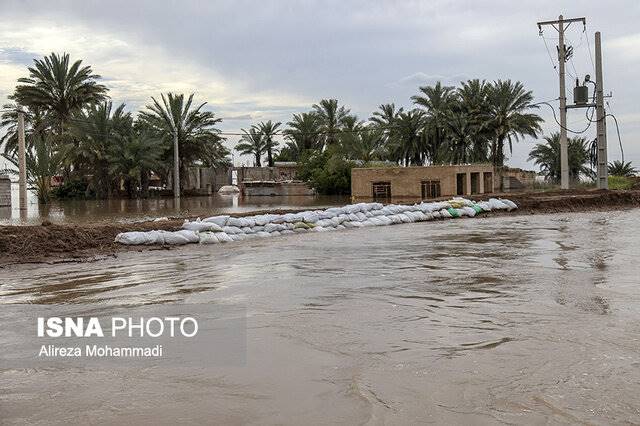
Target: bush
(327,172)
(70,189)
(620,182)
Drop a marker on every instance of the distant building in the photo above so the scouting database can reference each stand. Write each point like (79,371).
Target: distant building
(421,183)
(430,182)
(281,179)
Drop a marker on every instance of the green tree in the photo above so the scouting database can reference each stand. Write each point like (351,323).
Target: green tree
(199,140)
(547,156)
(268,130)
(619,168)
(407,142)
(302,134)
(252,143)
(131,156)
(42,164)
(95,131)
(332,118)
(59,88)
(508,103)
(437,101)
(326,171)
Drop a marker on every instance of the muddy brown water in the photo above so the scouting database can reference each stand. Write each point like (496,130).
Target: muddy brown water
(520,320)
(126,210)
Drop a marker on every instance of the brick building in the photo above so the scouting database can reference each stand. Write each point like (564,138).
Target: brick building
(422,183)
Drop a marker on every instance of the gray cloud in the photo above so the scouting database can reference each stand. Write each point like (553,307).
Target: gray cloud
(264,60)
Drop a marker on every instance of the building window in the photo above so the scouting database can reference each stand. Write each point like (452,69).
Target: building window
(381,190)
(430,189)
(488,182)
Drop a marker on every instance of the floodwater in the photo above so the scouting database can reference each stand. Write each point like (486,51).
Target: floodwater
(126,210)
(510,319)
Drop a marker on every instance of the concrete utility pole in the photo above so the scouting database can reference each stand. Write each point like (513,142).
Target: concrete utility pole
(562,57)
(176,165)
(22,163)
(601,123)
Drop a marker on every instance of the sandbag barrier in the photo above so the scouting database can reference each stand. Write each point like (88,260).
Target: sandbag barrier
(222,229)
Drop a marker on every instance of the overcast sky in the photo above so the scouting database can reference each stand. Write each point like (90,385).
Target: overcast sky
(259,60)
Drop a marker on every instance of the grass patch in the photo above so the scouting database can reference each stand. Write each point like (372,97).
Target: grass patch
(620,182)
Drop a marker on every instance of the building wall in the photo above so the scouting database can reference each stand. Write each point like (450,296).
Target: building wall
(5,191)
(277,189)
(406,182)
(517,178)
(276,173)
(206,179)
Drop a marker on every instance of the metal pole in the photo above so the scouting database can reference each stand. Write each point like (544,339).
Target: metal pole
(22,163)
(564,150)
(603,180)
(176,166)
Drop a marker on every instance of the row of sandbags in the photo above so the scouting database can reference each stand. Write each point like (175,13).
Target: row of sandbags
(220,229)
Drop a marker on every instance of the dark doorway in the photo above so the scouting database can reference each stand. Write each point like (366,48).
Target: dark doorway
(475,183)
(461,183)
(488,182)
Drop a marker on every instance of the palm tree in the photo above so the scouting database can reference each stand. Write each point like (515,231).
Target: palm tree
(198,138)
(35,121)
(131,156)
(386,115)
(42,164)
(302,134)
(406,139)
(332,117)
(366,145)
(59,88)
(619,168)
(252,143)
(95,131)
(268,130)
(436,101)
(508,104)
(547,156)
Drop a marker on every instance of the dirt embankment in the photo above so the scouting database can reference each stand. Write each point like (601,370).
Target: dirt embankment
(55,243)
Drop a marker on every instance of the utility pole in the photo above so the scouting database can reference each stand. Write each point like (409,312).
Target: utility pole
(22,163)
(176,165)
(601,123)
(562,57)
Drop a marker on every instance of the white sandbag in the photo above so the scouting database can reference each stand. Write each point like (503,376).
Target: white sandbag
(257,228)
(286,232)
(218,220)
(223,237)
(405,218)
(261,220)
(496,204)
(180,237)
(292,217)
(444,213)
(484,206)
(274,227)
(208,238)
(436,215)
(310,217)
(263,234)
(275,233)
(237,237)
(361,216)
(240,222)
(468,211)
(325,223)
(510,204)
(419,216)
(232,230)
(395,218)
(135,238)
(339,227)
(247,230)
(200,226)
(352,224)
(367,223)
(384,220)
(353,217)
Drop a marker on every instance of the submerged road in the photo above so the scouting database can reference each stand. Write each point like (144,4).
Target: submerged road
(510,319)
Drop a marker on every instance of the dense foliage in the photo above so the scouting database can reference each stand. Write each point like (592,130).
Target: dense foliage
(101,150)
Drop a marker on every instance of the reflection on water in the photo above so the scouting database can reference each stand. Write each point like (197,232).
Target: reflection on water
(92,211)
(492,320)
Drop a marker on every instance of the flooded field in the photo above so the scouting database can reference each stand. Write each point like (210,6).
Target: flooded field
(123,210)
(510,319)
